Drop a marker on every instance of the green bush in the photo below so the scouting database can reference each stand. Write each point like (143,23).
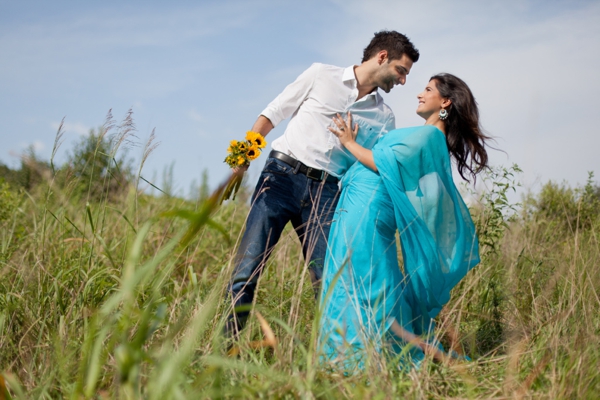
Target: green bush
(30,174)
(9,201)
(563,210)
(93,170)
(96,168)
(11,231)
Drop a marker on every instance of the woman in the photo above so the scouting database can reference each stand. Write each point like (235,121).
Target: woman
(404,184)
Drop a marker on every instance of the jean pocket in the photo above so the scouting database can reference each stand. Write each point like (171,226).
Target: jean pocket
(275,166)
(331,189)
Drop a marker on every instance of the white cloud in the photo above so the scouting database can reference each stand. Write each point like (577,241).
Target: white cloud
(195,116)
(138,106)
(38,146)
(151,26)
(69,127)
(64,41)
(143,51)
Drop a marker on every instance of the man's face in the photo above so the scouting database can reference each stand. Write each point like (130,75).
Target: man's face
(392,73)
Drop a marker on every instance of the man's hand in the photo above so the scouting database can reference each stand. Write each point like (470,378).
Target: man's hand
(240,170)
(263,126)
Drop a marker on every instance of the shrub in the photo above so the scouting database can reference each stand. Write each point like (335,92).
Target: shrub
(9,201)
(93,170)
(562,210)
(31,173)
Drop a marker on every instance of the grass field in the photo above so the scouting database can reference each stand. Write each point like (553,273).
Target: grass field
(121,295)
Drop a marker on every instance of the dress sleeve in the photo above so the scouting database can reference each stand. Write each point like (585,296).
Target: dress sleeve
(405,152)
(413,156)
(439,241)
(288,101)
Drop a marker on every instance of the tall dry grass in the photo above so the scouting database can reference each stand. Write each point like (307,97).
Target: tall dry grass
(123,297)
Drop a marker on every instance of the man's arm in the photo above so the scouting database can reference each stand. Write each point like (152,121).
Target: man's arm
(284,105)
(292,97)
(262,125)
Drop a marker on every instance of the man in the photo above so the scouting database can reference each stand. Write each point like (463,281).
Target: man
(299,182)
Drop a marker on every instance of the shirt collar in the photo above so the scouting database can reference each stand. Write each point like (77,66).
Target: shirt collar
(349,76)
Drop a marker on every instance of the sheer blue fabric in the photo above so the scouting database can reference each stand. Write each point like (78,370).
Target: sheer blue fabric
(364,289)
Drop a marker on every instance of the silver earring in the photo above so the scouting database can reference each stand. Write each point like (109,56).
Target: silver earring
(443,114)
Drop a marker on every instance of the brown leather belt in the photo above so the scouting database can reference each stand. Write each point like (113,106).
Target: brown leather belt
(299,167)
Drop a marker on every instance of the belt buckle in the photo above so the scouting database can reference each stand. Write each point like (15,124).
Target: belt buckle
(319,177)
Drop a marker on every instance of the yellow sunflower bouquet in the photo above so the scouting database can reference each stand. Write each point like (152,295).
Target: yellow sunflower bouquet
(242,152)
(240,155)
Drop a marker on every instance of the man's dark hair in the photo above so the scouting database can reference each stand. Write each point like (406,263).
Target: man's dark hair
(395,43)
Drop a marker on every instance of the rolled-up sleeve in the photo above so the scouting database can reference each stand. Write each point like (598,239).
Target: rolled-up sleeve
(288,101)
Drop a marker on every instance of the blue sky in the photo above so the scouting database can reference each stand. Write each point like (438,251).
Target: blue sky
(200,72)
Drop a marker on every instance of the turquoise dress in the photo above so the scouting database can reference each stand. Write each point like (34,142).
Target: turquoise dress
(364,289)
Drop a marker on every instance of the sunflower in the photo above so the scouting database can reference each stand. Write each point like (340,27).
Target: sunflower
(253,152)
(242,146)
(241,160)
(231,160)
(232,145)
(256,139)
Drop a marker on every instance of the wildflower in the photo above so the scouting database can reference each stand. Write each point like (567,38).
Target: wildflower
(232,145)
(256,139)
(240,154)
(253,152)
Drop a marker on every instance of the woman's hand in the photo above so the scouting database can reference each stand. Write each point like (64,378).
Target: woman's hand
(345,132)
(347,136)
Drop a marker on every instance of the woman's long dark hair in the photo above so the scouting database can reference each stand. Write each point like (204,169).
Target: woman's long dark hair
(464,135)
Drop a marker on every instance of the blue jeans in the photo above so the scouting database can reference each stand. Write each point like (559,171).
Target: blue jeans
(281,196)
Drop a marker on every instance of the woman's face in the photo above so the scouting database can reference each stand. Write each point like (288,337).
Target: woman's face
(430,101)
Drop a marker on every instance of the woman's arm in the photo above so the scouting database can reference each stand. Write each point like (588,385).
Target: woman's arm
(347,135)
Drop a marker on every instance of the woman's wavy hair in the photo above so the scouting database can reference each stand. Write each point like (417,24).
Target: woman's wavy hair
(464,135)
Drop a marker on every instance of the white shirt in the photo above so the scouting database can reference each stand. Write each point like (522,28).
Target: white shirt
(312,100)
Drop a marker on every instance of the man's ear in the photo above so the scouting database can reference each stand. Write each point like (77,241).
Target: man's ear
(382,56)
